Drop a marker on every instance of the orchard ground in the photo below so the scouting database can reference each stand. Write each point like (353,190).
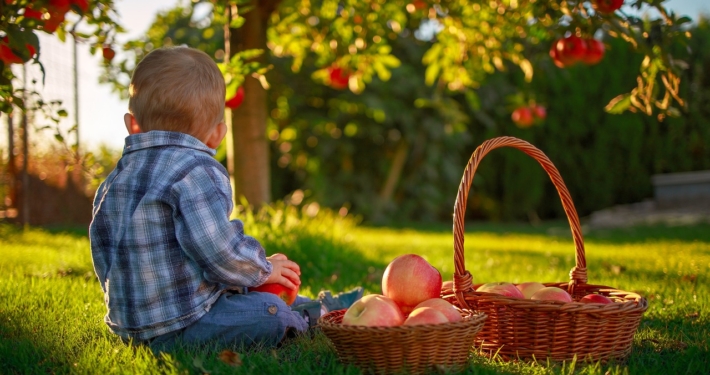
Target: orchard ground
(51,307)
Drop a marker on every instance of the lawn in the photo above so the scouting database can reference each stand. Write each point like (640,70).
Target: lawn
(51,305)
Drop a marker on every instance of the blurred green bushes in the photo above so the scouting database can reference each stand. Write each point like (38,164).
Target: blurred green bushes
(396,152)
(348,149)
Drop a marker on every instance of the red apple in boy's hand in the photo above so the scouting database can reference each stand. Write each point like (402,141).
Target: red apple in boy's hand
(373,310)
(409,280)
(443,306)
(425,315)
(286,294)
(595,298)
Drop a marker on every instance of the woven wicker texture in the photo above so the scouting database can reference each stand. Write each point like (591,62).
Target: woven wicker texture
(414,349)
(527,329)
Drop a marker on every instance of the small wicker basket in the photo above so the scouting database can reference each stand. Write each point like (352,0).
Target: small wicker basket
(415,349)
(530,329)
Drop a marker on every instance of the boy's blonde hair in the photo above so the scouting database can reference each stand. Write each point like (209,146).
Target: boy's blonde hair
(177,89)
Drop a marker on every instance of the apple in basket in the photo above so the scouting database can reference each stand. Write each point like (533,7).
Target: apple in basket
(595,298)
(441,305)
(409,280)
(502,288)
(552,293)
(529,288)
(425,315)
(373,310)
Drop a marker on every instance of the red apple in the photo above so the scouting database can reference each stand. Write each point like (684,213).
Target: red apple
(529,288)
(523,117)
(443,306)
(108,53)
(569,50)
(235,101)
(502,288)
(595,52)
(595,298)
(338,77)
(539,112)
(419,4)
(556,56)
(410,280)
(607,6)
(9,57)
(373,310)
(425,315)
(31,13)
(286,294)
(552,293)
(55,20)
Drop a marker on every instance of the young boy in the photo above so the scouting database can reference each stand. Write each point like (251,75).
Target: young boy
(170,262)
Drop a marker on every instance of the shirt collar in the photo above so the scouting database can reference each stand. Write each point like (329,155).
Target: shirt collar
(158,138)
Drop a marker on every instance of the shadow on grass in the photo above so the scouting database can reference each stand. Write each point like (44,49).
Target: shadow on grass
(673,345)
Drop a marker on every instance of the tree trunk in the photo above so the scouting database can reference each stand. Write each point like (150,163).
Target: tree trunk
(249,151)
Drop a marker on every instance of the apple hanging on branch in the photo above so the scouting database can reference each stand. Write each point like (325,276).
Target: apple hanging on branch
(572,50)
(108,53)
(8,56)
(338,77)
(235,101)
(526,116)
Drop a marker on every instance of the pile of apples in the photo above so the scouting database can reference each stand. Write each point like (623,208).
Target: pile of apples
(538,291)
(411,295)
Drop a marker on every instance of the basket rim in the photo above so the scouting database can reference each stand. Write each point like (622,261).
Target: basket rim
(621,299)
(474,317)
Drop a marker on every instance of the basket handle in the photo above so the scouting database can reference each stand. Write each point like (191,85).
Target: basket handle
(462,278)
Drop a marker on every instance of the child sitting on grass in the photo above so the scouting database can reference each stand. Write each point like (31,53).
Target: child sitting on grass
(171,264)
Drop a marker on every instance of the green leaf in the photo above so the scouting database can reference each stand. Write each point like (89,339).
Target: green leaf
(237,22)
(473,100)
(432,72)
(619,104)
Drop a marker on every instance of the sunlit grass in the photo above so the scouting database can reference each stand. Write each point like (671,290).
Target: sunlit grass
(51,307)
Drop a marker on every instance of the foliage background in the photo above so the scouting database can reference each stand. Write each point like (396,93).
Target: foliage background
(396,151)
(605,159)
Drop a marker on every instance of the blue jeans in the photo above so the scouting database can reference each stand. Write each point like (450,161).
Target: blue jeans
(248,319)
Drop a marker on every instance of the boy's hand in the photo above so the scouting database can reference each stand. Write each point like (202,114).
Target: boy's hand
(285,272)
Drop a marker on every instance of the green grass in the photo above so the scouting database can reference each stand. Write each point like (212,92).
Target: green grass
(51,306)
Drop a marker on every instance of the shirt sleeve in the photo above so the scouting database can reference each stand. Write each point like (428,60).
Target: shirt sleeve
(218,245)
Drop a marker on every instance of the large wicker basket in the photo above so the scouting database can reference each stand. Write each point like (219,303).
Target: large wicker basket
(414,349)
(530,329)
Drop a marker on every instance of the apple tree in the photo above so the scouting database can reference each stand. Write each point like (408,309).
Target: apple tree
(92,21)
(350,43)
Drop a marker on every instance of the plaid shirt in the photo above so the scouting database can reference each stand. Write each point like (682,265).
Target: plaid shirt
(162,243)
